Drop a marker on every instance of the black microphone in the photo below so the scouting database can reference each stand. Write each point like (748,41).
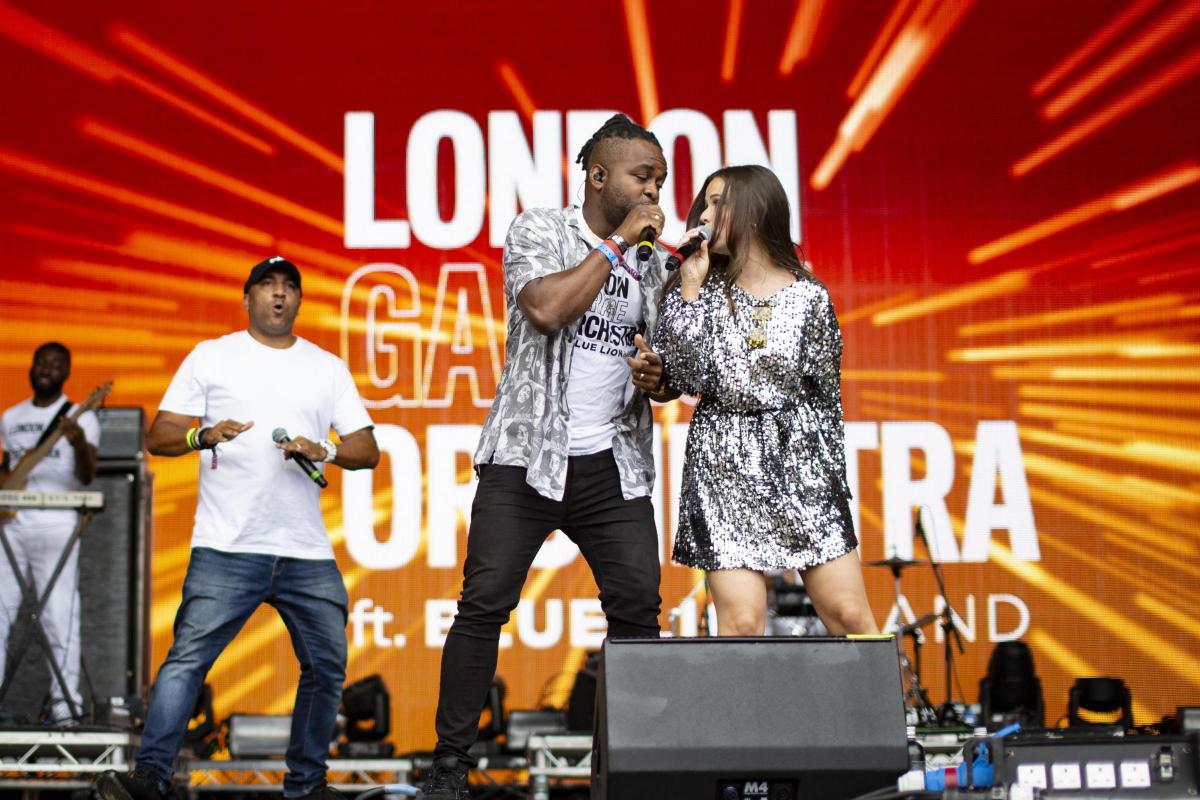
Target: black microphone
(281,437)
(645,247)
(687,248)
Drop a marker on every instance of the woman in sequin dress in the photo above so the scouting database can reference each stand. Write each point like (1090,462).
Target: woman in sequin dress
(753,333)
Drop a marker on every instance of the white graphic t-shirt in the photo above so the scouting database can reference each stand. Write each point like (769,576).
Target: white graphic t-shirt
(252,501)
(599,385)
(22,427)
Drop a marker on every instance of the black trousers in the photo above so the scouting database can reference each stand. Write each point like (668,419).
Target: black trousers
(509,523)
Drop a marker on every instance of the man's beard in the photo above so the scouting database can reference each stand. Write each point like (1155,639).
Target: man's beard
(51,390)
(267,323)
(615,211)
(264,319)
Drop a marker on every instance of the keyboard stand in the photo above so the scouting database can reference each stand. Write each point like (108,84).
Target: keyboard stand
(30,600)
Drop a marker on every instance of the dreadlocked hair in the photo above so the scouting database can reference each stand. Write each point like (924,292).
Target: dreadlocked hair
(618,126)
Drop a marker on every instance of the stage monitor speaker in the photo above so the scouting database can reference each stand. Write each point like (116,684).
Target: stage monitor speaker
(113,594)
(120,431)
(733,719)
(114,583)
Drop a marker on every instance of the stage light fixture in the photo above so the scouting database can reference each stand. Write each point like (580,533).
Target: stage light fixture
(581,703)
(1104,701)
(202,734)
(495,717)
(1011,691)
(367,708)
(258,735)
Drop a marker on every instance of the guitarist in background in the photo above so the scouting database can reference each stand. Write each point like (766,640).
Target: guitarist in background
(38,536)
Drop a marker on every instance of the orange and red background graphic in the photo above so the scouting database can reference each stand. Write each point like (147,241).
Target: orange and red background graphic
(1003,197)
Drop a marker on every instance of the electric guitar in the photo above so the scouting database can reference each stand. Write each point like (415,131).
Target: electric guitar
(17,478)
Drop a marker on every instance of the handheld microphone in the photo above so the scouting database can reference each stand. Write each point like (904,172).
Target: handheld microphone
(687,248)
(281,437)
(645,247)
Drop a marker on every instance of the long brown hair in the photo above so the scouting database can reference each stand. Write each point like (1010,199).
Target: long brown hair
(753,206)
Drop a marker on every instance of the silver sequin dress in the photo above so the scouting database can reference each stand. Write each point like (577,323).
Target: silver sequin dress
(764,479)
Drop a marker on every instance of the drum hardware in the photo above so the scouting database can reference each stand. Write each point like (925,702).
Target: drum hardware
(914,695)
(947,713)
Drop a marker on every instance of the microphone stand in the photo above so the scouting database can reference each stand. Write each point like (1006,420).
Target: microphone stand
(916,691)
(949,629)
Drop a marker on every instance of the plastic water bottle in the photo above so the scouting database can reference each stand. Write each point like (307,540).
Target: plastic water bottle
(942,778)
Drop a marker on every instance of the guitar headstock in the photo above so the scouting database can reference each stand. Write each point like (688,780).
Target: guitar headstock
(96,397)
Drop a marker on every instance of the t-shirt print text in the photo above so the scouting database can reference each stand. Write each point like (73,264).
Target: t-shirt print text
(607,327)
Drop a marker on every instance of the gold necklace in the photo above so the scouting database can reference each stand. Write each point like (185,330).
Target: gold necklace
(760,315)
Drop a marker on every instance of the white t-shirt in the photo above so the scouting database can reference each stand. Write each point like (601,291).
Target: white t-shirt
(600,385)
(22,426)
(254,501)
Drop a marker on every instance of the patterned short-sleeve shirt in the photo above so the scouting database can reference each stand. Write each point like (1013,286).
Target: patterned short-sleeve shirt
(528,423)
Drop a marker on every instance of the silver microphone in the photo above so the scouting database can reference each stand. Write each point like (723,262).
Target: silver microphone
(280,435)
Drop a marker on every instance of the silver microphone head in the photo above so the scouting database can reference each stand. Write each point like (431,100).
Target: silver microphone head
(279,435)
(705,232)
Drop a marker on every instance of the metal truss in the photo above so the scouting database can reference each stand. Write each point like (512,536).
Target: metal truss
(558,758)
(62,759)
(347,775)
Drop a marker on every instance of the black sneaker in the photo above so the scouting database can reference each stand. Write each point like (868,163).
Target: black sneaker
(447,781)
(142,784)
(322,792)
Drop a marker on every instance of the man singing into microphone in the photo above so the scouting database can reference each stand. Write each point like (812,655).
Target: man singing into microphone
(258,536)
(567,444)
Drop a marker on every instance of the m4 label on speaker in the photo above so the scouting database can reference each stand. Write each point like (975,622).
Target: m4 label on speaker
(742,789)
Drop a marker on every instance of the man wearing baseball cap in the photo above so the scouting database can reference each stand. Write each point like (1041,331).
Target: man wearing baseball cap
(259,536)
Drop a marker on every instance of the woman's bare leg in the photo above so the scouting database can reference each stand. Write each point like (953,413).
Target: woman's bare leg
(840,596)
(740,596)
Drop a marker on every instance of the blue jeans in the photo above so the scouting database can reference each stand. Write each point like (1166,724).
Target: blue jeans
(220,593)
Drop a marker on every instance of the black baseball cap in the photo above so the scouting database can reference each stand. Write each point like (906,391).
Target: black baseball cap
(260,270)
